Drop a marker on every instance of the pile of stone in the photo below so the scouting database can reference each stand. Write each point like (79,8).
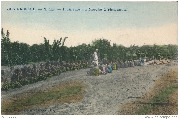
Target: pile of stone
(159,62)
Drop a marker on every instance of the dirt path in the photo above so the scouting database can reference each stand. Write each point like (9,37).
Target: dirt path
(161,99)
(103,94)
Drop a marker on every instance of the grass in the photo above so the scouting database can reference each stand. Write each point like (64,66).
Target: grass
(162,97)
(59,94)
(158,100)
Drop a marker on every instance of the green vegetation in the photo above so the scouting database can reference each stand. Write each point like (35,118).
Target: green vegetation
(15,53)
(66,94)
(158,100)
(17,84)
(95,72)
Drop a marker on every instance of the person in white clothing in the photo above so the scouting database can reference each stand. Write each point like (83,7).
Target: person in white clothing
(95,55)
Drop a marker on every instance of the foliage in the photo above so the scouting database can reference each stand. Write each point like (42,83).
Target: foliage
(68,93)
(158,100)
(15,53)
(95,72)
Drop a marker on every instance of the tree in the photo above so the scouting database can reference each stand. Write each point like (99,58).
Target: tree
(6,48)
(56,49)
(103,47)
(14,53)
(47,49)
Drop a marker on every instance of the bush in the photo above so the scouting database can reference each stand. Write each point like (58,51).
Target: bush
(17,84)
(5,86)
(23,82)
(94,71)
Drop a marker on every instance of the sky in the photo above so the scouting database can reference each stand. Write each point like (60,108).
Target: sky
(138,23)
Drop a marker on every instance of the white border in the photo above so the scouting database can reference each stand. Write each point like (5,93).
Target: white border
(100,116)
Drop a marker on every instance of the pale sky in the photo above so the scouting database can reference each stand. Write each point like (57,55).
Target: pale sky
(143,23)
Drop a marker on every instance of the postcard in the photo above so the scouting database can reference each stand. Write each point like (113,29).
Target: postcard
(89,58)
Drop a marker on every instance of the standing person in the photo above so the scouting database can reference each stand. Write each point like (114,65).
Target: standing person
(95,55)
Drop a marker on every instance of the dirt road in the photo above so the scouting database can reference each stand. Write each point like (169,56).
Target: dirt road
(103,94)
